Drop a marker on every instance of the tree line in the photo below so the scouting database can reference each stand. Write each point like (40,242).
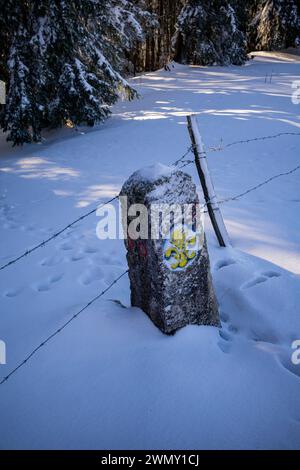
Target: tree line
(66,61)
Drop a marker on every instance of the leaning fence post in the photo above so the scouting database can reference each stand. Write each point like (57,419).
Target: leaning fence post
(206,183)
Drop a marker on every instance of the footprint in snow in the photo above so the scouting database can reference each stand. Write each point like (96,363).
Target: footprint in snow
(46,285)
(263,277)
(91,275)
(27,228)
(226,338)
(51,261)
(224,263)
(65,246)
(90,250)
(76,257)
(225,346)
(233,329)
(42,286)
(12,293)
(225,335)
(55,278)
(10,225)
(271,274)
(224,317)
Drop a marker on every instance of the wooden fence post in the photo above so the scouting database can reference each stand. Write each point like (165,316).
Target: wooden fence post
(206,183)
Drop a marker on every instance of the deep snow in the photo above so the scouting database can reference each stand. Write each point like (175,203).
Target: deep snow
(111,379)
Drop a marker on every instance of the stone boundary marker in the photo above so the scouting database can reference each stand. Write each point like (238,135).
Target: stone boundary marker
(170,276)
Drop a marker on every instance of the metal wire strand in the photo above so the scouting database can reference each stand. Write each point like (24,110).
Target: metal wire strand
(61,328)
(55,235)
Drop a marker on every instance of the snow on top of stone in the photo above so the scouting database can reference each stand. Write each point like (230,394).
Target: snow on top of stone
(177,189)
(154,172)
(162,184)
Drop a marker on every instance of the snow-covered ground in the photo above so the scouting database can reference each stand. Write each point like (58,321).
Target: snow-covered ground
(111,379)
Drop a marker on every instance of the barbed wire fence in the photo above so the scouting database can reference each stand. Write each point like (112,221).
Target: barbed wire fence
(253,188)
(70,225)
(181,162)
(86,306)
(61,328)
(221,147)
(56,234)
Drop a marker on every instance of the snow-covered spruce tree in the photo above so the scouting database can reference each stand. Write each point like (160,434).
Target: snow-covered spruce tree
(208,33)
(64,61)
(83,58)
(275,25)
(22,112)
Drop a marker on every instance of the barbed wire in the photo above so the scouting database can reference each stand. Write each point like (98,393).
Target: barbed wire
(184,163)
(222,147)
(176,163)
(255,139)
(55,235)
(61,328)
(272,178)
(253,188)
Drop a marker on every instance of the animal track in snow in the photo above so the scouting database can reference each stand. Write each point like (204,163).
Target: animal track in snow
(46,285)
(56,278)
(27,228)
(51,261)
(233,329)
(225,335)
(10,225)
(263,277)
(271,274)
(225,340)
(91,275)
(224,263)
(254,282)
(12,293)
(225,346)
(224,317)
(90,250)
(42,286)
(65,246)
(76,257)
